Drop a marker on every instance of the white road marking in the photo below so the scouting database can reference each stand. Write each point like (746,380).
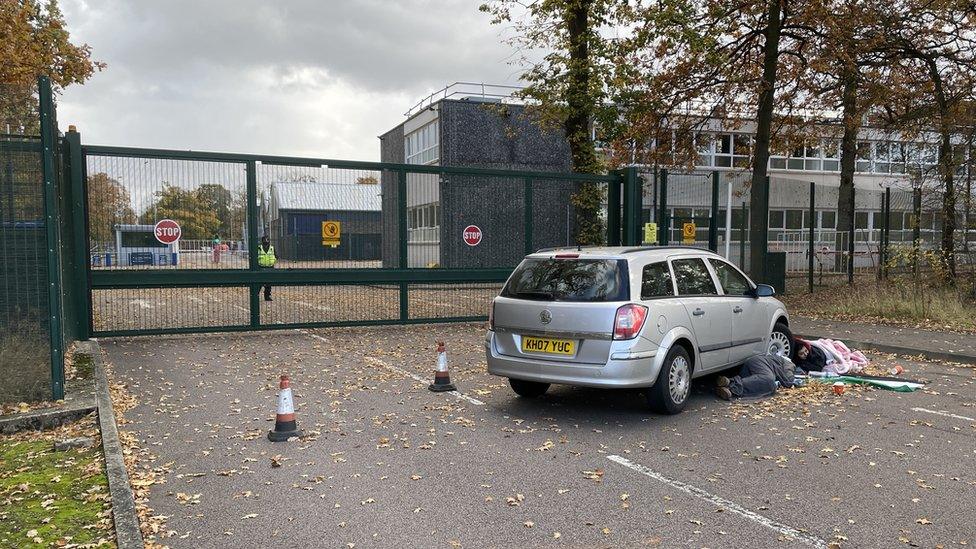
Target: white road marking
(730,506)
(314,306)
(142,303)
(944,414)
(401,371)
(456,394)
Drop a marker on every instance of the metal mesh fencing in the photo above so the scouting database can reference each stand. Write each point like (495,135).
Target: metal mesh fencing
(25,363)
(131,309)
(128,195)
(321,217)
(438,300)
(339,303)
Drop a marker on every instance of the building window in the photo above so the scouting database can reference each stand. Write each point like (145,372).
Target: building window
(794,219)
(424,223)
(828,220)
(776,219)
(422,146)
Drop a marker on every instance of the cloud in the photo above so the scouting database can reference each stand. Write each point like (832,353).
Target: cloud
(291,78)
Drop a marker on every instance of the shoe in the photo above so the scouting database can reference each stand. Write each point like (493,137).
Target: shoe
(268,299)
(723,393)
(722,381)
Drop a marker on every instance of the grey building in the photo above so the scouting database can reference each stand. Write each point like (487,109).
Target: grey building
(471,132)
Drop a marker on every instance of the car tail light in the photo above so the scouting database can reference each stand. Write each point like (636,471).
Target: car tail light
(566,256)
(491,315)
(629,321)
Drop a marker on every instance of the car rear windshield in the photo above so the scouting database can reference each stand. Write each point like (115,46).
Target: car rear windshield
(569,280)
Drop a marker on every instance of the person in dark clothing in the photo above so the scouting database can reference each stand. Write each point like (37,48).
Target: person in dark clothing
(757,378)
(809,358)
(266,260)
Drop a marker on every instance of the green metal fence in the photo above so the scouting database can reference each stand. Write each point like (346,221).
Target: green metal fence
(415,244)
(32,333)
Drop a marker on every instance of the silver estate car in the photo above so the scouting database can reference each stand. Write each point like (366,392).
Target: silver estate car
(651,318)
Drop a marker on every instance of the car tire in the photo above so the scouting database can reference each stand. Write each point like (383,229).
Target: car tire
(528,389)
(670,392)
(781,341)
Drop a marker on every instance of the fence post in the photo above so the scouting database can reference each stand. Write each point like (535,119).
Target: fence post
(252,240)
(850,244)
(632,202)
(527,216)
(613,211)
(664,222)
(916,229)
(402,235)
(713,222)
(764,233)
(49,136)
(79,225)
(813,222)
(887,233)
(742,237)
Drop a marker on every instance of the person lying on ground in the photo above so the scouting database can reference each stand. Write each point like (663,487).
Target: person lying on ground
(809,358)
(758,377)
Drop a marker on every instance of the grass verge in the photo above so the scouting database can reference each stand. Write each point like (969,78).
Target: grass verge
(54,499)
(935,308)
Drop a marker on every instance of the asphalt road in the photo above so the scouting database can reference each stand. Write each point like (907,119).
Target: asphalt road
(387,463)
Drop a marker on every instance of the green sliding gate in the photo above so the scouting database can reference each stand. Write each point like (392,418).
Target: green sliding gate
(358,243)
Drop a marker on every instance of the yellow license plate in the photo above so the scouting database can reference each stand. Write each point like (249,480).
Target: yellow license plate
(548,346)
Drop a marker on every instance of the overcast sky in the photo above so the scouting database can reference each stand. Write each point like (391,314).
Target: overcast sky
(303,78)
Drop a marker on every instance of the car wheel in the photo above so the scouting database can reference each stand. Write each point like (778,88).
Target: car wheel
(528,389)
(670,392)
(781,341)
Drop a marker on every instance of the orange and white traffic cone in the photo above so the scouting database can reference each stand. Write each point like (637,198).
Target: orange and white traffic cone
(442,378)
(285,425)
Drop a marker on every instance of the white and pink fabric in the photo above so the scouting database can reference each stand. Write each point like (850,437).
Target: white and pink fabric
(840,359)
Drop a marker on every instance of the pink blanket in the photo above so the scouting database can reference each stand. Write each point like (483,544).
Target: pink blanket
(840,359)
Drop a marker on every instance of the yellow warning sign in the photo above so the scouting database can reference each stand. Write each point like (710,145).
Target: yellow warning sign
(331,233)
(650,233)
(688,233)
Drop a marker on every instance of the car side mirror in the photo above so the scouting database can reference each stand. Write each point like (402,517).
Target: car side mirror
(764,290)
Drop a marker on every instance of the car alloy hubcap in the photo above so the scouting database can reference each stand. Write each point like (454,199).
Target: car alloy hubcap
(779,344)
(679,380)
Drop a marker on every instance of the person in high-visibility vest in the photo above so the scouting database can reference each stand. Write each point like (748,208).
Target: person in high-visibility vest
(266,260)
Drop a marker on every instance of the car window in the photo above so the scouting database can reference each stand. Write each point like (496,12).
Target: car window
(558,279)
(731,280)
(656,281)
(692,277)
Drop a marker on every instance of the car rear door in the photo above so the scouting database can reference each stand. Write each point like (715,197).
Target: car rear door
(711,317)
(749,316)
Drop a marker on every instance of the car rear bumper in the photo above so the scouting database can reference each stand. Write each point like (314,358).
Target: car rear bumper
(638,370)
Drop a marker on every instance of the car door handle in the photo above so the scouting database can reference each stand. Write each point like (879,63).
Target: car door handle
(736,309)
(698,312)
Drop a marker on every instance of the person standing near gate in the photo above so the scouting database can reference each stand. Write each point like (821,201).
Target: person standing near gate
(266,260)
(216,248)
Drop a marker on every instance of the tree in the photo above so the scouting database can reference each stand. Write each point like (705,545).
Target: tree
(931,49)
(568,88)
(35,42)
(688,62)
(109,204)
(845,75)
(189,208)
(219,200)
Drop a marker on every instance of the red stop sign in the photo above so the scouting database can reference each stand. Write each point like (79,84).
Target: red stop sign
(472,235)
(167,231)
